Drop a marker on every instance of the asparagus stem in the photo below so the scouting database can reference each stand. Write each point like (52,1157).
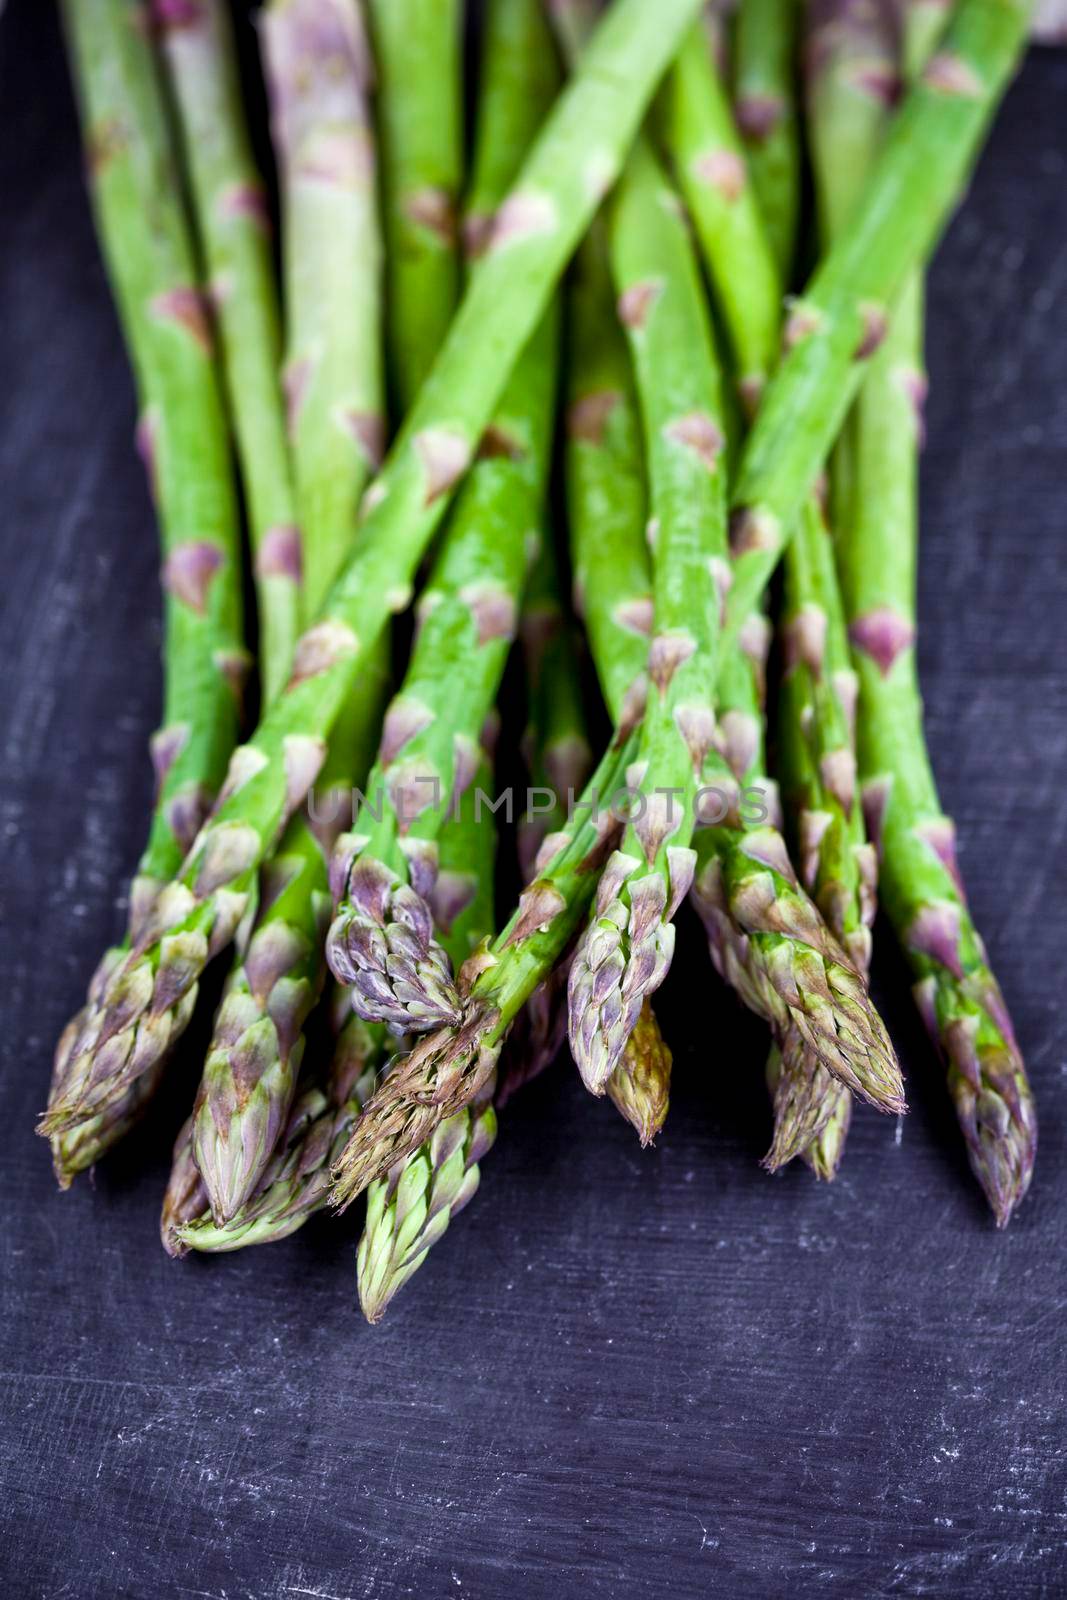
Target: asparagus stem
(296,1181)
(447,1070)
(417,54)
(709,161)
(318,72)
(853,75)
(382,940)
(626,951)
(410,1208)
(605,488)
(922,892)
(606,504)
(839,321)
(573,162)
(558,758)
(148,248)
(555,744)
(764,60)
(250,1075)
(233,223)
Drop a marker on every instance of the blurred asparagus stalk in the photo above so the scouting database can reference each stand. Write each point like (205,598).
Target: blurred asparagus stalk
(232,218)
(148,248)
(418,58)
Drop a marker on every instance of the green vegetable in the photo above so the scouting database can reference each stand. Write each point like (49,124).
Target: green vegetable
(921,889)
(318,71)
(295,1183)
(840,319)
(709,160)
(765,90)
(382,941)
(626,951)
(448,1070)
(410,1209)
(148,248)
(145,1003)
(233,222)
(418,61)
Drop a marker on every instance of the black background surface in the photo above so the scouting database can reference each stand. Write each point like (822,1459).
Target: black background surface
(657,1374)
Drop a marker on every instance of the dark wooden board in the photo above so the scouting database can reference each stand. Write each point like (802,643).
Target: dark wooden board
(621,1374)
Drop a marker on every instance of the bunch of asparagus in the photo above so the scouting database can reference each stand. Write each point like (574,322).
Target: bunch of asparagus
(394,401)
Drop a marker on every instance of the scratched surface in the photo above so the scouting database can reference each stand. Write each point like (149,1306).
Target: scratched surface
(621,1374)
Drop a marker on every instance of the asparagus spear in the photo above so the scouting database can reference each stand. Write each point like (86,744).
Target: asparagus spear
(764,48)
(840,319)
(318,73)
(233,222)
(382,941)
(447,1070)
(574,160)
(555,744)
(605,489)
(250,1075)
(606,506)
(838,866)
(626,951)
(410,1208)
(296,1181)
(558,758)
(709,161)
(922,892)
(867,1058)
(417,53)
(149,253)
(853,75)
(600,497)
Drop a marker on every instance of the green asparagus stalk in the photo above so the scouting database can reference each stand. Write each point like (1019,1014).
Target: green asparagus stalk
(555,744)
(602,495)
(853,74)
(145,238)
(418,57)
(606,495)
(296,1182)
(855,55)
(838,866)
(448,1069)
(606,500)
(250,1075)
(410,1209)
(558,759)
(574,161)
(382,941)
(765,41)
(840,319)
(709,161)
(233,222)
(922,892)
(626,951)
(766,938)
(318,72)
